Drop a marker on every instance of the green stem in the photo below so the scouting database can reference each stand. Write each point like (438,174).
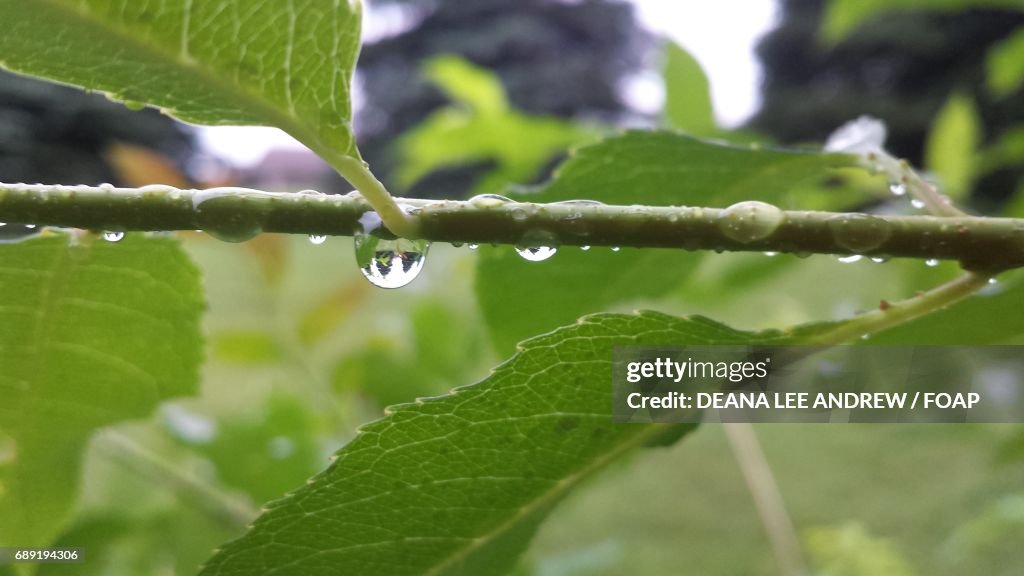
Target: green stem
(986,245)
(768,500)
(391,214)
(895,313)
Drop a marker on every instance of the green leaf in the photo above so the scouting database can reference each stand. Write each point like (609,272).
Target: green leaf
(266,453)
(475,87)
(952,145)
(1005,66)
(843,16)
(246,347)
(687,93)
(482,127)
(90,334)
(520,299)
(851,551)
(458,484)
(284,64)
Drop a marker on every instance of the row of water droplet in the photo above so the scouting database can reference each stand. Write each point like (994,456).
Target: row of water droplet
(393,263)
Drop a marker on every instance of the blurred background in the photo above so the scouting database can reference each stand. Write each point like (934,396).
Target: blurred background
(456,98)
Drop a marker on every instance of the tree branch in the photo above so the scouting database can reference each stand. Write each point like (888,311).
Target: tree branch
(986,245)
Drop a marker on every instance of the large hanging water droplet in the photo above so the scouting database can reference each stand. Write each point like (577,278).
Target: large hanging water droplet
(317,239)
(390,263)
(750,221)
(859,232)
(536,253)
(537,245)
(111,236)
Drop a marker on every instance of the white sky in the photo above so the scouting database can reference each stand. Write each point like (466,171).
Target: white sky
(721,35)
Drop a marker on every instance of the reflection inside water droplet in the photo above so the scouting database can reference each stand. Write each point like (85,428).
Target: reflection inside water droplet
(317,239)
(390,263)
(472,246)
(615,248)
(917,203)
(851,259)
(584,248)
(536,253)
(897,188)
(111,236)
(931,262)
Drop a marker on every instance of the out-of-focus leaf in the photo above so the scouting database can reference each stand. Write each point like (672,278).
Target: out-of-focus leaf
(245,347)
(850,551)
(458,484)
(482,127)
(1005,66)
(271,254)
(445,350)
(1008,150)
(467,84)
(232,62)
(520,298)
(331,311)
(140,166)
(265,454)
(843,16)
(952,143)
(687,93)
(90,334)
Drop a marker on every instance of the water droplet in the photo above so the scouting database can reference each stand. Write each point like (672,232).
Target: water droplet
(537,245)
(30,226)
(390,263)
(317,239)
(106,187)
(616,248)
(931,262)
(750,221)
(851,259)
(536,253)
(111,236)
(993,281)
(520,214)
(472,246)
(489,201)
(917,203)
(217,211)
(584,248)
(897,188)
(859,232)
(771,254)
